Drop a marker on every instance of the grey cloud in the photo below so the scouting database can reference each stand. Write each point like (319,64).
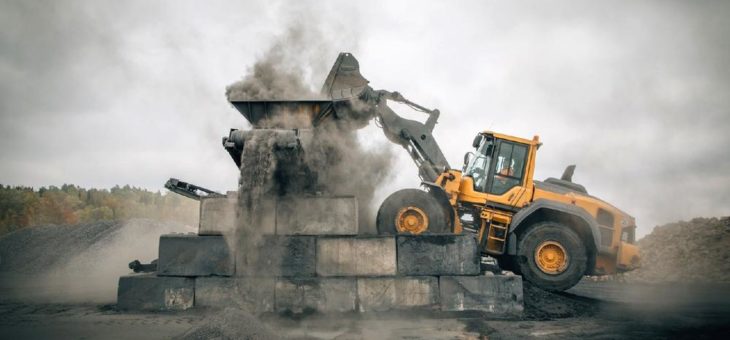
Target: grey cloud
(635,93)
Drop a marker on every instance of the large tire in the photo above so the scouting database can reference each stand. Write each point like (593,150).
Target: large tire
(438,219)
(544,270)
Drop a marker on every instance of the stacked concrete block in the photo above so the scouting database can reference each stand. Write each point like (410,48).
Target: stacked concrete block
(496,294)
(265,220)
(313,215)
(387,293)
(193,255)
(317,215)
(155,293)
(254,294)
(316,294)
(274,255)
(305,255)
(218,216)
(356,256)
(445,254)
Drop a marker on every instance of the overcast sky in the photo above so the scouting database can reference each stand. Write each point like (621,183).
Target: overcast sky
(637,94)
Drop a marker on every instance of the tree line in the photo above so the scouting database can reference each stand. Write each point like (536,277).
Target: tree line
(22,207)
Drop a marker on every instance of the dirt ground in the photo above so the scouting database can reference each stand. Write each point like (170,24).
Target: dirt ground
(593,310)
(43,297)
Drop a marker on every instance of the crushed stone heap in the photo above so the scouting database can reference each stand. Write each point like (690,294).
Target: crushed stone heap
(694,251)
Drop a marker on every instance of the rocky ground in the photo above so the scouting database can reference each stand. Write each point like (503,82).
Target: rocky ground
(705,314)
(59,282)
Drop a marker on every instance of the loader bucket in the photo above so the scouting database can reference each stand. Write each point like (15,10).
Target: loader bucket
(344,80)
(344,85)
(259,112)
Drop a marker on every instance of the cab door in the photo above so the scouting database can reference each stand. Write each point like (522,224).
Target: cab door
(507,183)
(499,174)
(508,186)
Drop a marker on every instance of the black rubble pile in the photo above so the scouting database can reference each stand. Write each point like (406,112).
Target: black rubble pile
(544,305)
(36,250)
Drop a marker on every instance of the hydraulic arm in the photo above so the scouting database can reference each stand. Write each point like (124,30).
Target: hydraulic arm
(346,96)
(345,83)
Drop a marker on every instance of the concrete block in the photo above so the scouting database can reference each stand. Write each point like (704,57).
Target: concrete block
(193,255)
(317,215)
(218,216)
(496,294)
(265,219)
(438,255)
(275,255)
(320,294)
(253,294)
(155,293)
(356,256)
(387,293)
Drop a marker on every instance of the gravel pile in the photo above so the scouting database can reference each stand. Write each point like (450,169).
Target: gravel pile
(76,263)
(544,305)
(694,251)
(37,250)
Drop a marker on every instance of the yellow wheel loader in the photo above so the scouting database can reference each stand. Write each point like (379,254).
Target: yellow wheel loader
(551,232)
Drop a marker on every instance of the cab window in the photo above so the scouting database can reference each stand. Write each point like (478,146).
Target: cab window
(478,164)
(509,167)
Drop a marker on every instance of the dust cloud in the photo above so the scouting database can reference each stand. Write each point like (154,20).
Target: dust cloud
(284,71)
(288,155)
(334,162)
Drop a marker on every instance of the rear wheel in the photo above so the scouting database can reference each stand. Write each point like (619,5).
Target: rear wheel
(551,256)
(412,211)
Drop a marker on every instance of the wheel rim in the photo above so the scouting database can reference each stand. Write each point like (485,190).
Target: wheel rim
(551,257)
(411,220)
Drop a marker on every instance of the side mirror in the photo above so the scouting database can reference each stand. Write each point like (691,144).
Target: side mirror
(477,141)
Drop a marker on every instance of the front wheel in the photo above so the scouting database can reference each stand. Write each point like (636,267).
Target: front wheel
(412,211)
(551,256)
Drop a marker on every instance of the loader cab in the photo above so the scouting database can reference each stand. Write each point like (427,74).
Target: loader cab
(500,166)
(477,164)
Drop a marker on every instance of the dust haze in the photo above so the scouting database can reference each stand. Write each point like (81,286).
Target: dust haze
(286,70)
(634,93)
(336,162)
(77,264)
